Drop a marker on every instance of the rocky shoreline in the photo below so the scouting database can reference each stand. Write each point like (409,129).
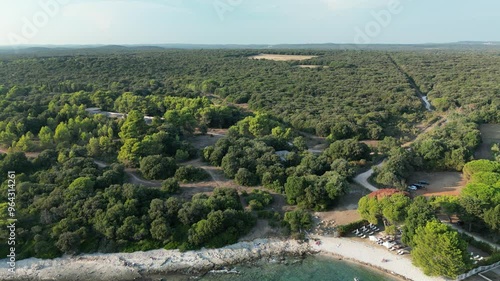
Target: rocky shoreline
(135,266)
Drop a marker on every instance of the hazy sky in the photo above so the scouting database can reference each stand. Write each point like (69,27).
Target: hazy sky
(247,21)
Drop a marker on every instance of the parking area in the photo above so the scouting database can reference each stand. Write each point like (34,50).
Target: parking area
(490,275)
(440,183)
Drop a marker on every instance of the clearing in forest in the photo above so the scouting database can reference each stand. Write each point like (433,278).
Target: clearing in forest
(490,134)
(440,183)
(346,209)
(281,57)
(311,66)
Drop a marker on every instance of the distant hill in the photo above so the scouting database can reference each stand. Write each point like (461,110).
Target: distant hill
(45,50)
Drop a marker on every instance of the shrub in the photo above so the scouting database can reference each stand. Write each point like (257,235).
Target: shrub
(485,247)
(170,186)
(157,167)
(298,220)
(246,178)
(181,155)
(258,199)
(191,174)
(348,228)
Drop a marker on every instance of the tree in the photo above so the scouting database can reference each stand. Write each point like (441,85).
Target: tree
(62,133)
(336,185)
(298,220)
(295,189)
(492,218)
(478,197)
(418,214)
(390,204)
(439,250)
(480,166)
(300,143)
(246,178)
(68,242)
(129,153)
(134,126)
(209,86)
(170,186)
(343,167)
(387,144)
(157,167)
(132,229)
(16,161)
(350,149)
(369,209)
(25,143)
(93,147)
(80,188)
(160,230)
(394,207)
(190,173)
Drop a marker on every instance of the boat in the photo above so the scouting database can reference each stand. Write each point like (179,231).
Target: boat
(356,279)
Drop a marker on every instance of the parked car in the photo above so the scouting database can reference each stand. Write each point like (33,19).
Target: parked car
(423,182)
(411,187)
(419,186)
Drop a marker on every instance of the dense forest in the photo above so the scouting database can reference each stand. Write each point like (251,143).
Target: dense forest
(469,81)
(70,200)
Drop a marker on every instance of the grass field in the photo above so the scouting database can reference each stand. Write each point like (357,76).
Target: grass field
(490,133)
(281,57)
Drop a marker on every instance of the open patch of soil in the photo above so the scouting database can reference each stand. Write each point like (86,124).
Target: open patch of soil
(281,57)
(346,210)
(210,138)
(312,66)
(441,183)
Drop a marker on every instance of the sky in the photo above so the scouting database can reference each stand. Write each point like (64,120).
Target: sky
(62,22)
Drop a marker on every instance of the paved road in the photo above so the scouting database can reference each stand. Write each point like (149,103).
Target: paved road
(362,179)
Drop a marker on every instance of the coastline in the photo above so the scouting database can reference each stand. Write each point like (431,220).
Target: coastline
(371,255)
(139,265)
(366,265)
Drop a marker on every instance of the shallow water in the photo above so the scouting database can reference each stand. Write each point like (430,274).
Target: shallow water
(313,268)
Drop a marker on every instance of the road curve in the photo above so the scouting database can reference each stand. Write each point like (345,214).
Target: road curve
(133,178)
(362,179)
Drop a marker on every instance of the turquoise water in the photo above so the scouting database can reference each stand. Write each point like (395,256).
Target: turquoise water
(313,268)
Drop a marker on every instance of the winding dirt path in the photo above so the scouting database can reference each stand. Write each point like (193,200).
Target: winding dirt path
(132,173)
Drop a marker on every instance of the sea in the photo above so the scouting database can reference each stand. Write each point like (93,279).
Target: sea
(311,268)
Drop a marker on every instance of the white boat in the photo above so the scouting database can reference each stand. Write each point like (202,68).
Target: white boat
(356,279)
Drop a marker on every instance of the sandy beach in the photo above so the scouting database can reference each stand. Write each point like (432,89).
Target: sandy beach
(371,254)
(134,266)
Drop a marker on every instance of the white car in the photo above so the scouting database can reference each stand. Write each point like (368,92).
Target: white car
(412,187)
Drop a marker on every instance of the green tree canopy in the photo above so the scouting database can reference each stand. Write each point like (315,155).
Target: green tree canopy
(440,251)
(157,167)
